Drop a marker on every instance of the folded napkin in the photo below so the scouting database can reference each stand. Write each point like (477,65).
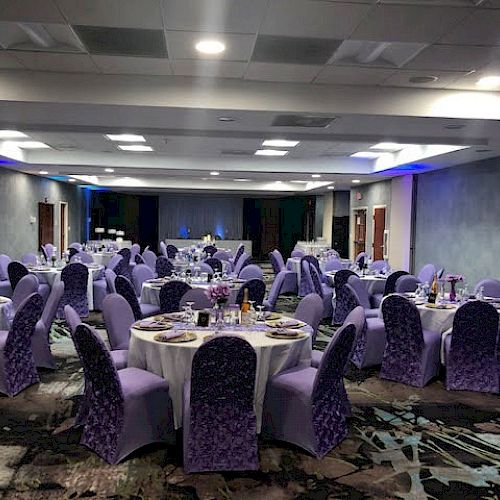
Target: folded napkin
(285,332)
(148,323)
(286,323)
(172,334)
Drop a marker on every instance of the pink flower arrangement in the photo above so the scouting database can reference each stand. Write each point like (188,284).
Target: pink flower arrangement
(218,293)
(453,277)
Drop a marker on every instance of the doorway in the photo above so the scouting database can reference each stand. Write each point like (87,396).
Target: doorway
(359,231)
(378,232)
(63,227)
(45,224)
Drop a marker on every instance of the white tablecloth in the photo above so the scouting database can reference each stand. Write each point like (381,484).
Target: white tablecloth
(311,248)
(102,258)
(173,361)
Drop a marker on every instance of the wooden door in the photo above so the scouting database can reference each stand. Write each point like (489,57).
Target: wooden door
(270,217)
(64,221)
(359,231)
(378,233)
(45,224)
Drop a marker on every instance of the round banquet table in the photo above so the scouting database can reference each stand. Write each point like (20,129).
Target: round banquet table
(173,361)
(102,258)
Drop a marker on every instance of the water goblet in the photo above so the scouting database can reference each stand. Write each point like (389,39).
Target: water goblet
(252,313)
(260,314)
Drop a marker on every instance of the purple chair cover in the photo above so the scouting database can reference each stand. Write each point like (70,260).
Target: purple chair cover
(256,291)
(16,271)
(135,249)
(110,277)
(390,283)
(251,271)
(28,259)
(491,287)
(83,257)
(75,278)
(199,297)
(139,259)
(123,267)
(27,285)
(163,267)
(140,274)
(205,268)
(426,274)
(17,365)
(215,264)
(171,294)
(40,340)
(72,251)
(4,263)
(100,291)
(149,258)
(244,263)
(221,255)
(114,261)
(163,249)
(306,283)
(333,265)
(48,250)
(238,265)
(297,253)
(220,429)
(307,406)
(363,296)
(274,292)
(239,252)
(171,251)
(127,408)
(311,277)
(406,283)
(210,250)
(125,288)
(275,263)
(72,318)
(378,265)
(411,354)
(118,317)
(360,259)
(341,308)
(312,260)
(310,311)
(472,350)
(279,259)
(77,246)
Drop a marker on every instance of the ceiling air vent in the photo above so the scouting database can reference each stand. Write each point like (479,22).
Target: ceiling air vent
(302,121)
(236,152)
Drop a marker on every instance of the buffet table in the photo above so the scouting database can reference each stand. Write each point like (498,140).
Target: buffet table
(230,245)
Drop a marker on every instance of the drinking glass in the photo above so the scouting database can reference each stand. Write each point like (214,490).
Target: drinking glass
(190,312)
(260,314)
(252,313)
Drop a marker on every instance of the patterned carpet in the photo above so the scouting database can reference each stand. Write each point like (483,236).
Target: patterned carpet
(403,443)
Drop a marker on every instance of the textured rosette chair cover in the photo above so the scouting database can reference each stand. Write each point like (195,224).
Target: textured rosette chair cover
(75,278)
(363,296)
(256,291)
(140,274)
(199,297)
(163,267)
(210,250)
(17,365)
(305,285)
(491,288)
(171,251)
(215,264)
(149,258)
(472,350)
(308,406)
(290,278)
(171,294)
(40,340)
(341,307)
(253,271)
(140,309)
(219,423)
(411,355)
(127,409)
(390,283)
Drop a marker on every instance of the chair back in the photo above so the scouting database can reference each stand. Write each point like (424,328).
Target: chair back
(77,246)
(16,271)
(171,251)
(221,255)
(297,253)
(52,304)
(310,310)
(427,273)
(210,250)
(406,283)
(72,318)
(333,265)
(378,265)
(27,285)
(360,259)
(312,260)
(110,276)
(390,283)
(360,291)
(83,257)
(279,258)
(251,271)
(48,250)
(275,290)
(4,263)
(125,288)
(199,297)
(171,294)
(118,317)
(215,264)
(256,291)
(139,259)
(149,258)
(135,249)
(491,287)
(28,259)
(123,267)
(205,268)
(163,267)
(238,265)
(75,278)
(238,254)
(114,261)
(340,279)
(274,263)
(163,249)
(244,263)
(307,284)
(140,274)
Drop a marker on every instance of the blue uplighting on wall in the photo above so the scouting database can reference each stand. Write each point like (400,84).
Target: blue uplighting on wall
(7,162)
(219,230)
(86,199)
(57,178)
(412,168)
(184,231)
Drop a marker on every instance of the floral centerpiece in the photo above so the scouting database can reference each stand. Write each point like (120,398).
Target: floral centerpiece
(453,279)
(218,293)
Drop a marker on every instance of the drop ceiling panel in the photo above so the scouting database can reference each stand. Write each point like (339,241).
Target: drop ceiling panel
(113,65)
(220,69)
(50,61)
(352,75)
(481,28)
(230,16)
(273,72)
(36,11)
(401,78)
(316,19)
(9,61)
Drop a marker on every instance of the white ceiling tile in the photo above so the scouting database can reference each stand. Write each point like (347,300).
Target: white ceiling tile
(35,11)
(8,61)
(303,73)
(50,61)
(181,45)
(116,13)
(353,75)
(313,18)
(453,58)
(402,23)
(481,28)
(236,16)
(221,69)
(401,78)
(113,65)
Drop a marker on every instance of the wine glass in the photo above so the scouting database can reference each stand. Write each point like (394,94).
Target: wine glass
(260,314)
(190,312)
(252,313)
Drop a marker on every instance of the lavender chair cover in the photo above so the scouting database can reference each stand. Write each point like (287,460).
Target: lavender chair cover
(163,267)
(274,292)
(27,285)
(135,249)
(239,252)
(127,408)
(28,259)
(333,265)
(251,271)
(290,278)
(75,279)
(139,259)
(310,311)
(210,250)
(472,351)
(118,317)
(238,265)
(341,308)
(4,263)
(77,246)
(244,263)
(221,255)
(125,288)
(307,406)
(360,259)
(48,250)
(306,283)
(40,340)
(72,318)
(149,258)
(199,297)
(17,365)
(171,294)
(411,355)
(279,259)
(406,283)
(163,249)
(83,257)
(124,268)
(171,251)
(390,283)
(314,285)
(16,271)
(426,274)
(363,296)
(205,268)
(491,287)
(275,263)
(100,290)
(312,260)
(256,291)
(140,274)
(378,265)
(220,429)
(114,261)
(297,253)
(110,277)
(215,264)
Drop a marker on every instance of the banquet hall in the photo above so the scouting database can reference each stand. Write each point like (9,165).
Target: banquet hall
(249,249)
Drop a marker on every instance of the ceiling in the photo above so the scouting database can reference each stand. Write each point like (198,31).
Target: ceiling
(374,70)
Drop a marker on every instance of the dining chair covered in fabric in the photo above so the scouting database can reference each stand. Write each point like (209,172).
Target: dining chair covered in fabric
(426,274)
(16,271)
(314,284)
(341,308)
(361,259)
(40,341)
(378,265)
(279,258)
(72,251)
(163,249)
(275,264)
(406,284)
(210,250)
(237,255)
(199,298)
(110,277)
(123,268)
(275,291)
(5,287)
(312,260)
(128,408)
(27,285)
(139,259)
(29,259)
(77,246)
(472,350)
(237,267)
(172,250)
(205,268)
(491,287)
(140,274)
(149,259)
(333,265)
(244,263)
(72,318)
(411,354)
(118,317)
(17,365)
(390,282)
(310,311)
(75,278)
(163,267)
(114,261)
(135,249)
(48,250)
(222,255)
(215,264)
(256,291)
(140,309)
(307,406)
(363,296)
(297,254)
(252,271)
(100,290)
(219,422)
(171,294)
(83,257)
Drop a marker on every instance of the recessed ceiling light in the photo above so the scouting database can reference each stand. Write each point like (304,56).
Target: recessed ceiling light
(214,173)
(226,119)
(278,182)
(43,172)
(366,154)
(126,137)
(330,187)
(241,180)
(135,147)
(71,180)
(270,152)
(11,134)
(30,144)
(109,170)
(489,82)
(280,143)
(316,176)
(300,182)
(210,47)
(423,79)
(356,181)
(389,146)
(456,126)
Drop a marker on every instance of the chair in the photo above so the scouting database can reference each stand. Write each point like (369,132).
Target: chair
(390,283)
(491,288)
(308,406)
(75,278)
(16,271)
(472,349)
(48,250)
(275,263)
(77,246)
(139,259)
(171,251)
(215,264)
(411,355)
(5,287)
(406,283)
(17,365)
(149,258)
(333,265)
(378,265)
(363,296)
(341,308)
(163,249)
(40,340)
(100,290)
(199,297)
(205,268)
(237,255)
(310,311)
(427,273)
(297,253)
(27,286)
(312,260)
(244,263)
(73,251)
(118,317)
(110,277)
(123,268)
(171,294)
(163,267)
(361,259)
(128,408)
(135,249)
(210,250)
(72,318)
(219,423)
(221,255)
(251,272)
(28,259)
(140,274)
(83,257)
(256,291)
(312,283)
(238,265)
(114,261)
(140,309)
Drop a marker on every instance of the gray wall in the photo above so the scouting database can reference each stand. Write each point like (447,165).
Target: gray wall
(341,200)
(318,216)
(458,220)
(19,197)
(212,213)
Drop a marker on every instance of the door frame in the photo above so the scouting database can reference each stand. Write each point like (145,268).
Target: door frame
(352,229)
(64,229)
(373,228)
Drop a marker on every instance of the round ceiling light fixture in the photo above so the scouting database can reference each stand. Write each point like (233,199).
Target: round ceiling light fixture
(211,47)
